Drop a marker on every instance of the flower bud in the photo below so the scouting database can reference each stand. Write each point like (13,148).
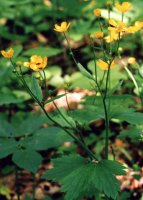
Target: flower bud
(97,12)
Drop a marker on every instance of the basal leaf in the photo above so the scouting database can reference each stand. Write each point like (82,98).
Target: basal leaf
(45,138)
(30,125)
(7,147)
(27,159)
(81,178)
(128,115)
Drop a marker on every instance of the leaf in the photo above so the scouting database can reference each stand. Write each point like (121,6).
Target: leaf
(116,74)
(128,115)
(21,95)
(5,191)
(8,99)
(7,147)
(116,87)
(29,125)
(36,89)
(45,138)
(17,50)
(141,71)
(87,115)
(43,51)
(6,128)
(57,81)
(28,197)
(47,198)
(54,98)
(79,80)
(85,72)
(27,159)
(80,178)
(13,96)
(64,118)
(55,70)
(133,132)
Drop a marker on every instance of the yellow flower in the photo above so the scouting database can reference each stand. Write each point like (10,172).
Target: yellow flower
(97,12)
(36,63)
(105,65)
(117,27)
(99,35)
(113,36)
(137,26)
(132,29)
(63,27)
(124,7)
(8,54)
(131,60)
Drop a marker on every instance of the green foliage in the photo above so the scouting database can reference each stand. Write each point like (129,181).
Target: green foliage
(60,118)
(85,177)
(54,98)
(5,191)
(13,97)
(117,111)
(42,51)
(7,147)
(85,72)
(35,88)
(27,25)
(133,132)
(31,138)
(86,116)
(27,159)
(45,138)
(17,50)
(116,74)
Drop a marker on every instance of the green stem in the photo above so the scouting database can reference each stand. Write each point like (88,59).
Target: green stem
(122,16)
(56,104)
(101,82)
(67,100)
(94,55)
(105,111)
(61,114)
(71,52)
(108,13)
(106,114)
(90,153)
(100,25)
(118,43)
(113,152)
(45,86)
(96,75)
(73,136)
(102,47)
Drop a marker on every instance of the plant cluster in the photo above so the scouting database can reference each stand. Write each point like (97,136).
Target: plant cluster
(93,174)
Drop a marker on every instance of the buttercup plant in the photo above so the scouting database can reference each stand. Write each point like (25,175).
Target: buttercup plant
(8,54)
(36,63)
(91,175)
